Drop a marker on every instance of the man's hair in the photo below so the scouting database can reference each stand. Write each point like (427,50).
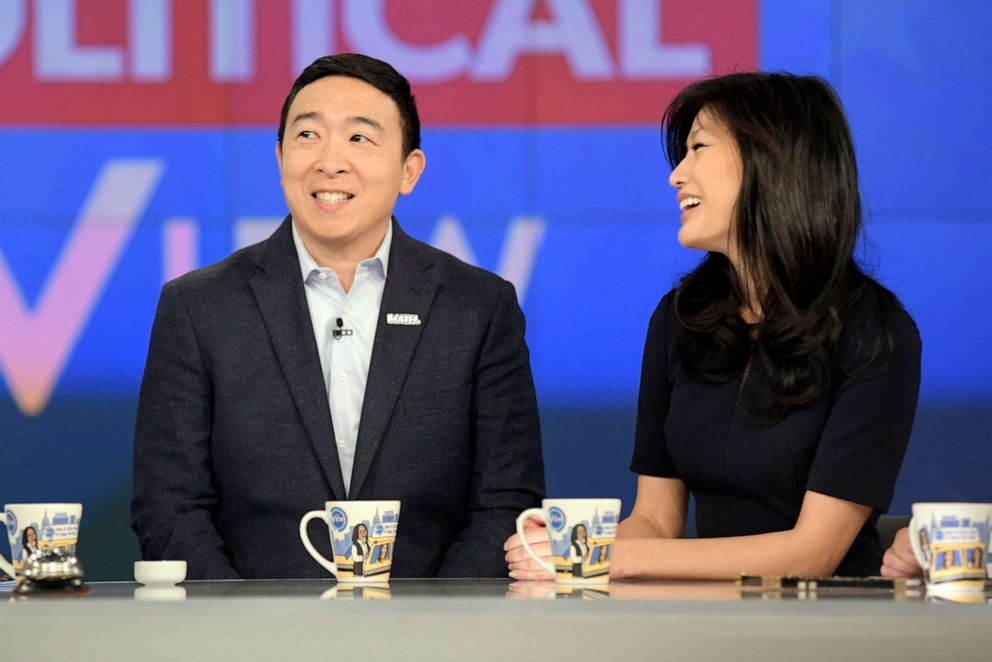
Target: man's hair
(376,73)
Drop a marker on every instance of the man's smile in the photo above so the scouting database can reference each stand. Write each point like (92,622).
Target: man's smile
(332,197)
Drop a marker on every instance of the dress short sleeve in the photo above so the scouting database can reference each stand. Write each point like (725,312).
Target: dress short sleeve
(654,397)
(871,416)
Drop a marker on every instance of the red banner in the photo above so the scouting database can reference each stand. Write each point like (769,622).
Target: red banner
(231,62)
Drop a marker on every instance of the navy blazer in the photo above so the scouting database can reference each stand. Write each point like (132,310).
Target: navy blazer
(234,439)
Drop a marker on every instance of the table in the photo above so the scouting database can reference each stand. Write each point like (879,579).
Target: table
(489,619)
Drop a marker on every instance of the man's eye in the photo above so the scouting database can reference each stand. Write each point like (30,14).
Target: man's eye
(309,135)
(359,138)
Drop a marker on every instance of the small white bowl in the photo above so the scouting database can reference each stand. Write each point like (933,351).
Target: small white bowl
(159,573)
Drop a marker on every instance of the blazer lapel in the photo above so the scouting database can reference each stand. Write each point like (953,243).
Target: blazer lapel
(410,286)
(280,294)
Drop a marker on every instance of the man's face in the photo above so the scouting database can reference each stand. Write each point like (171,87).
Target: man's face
(342,167)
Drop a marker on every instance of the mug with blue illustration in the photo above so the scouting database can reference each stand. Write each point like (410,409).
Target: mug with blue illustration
(951,544)
(33,528)
(582,533)
(363,539)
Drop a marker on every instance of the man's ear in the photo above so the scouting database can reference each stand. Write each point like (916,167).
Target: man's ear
(413,167)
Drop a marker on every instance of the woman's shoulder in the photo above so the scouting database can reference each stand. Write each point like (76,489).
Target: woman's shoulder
(876,308)
(664,327)
(876,325)
(664,313)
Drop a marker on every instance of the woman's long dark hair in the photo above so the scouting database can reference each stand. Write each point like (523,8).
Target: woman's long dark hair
(797,222)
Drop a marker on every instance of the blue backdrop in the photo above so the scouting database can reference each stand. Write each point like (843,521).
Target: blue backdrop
(581,218)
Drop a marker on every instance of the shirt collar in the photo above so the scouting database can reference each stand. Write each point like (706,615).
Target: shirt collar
(308,265)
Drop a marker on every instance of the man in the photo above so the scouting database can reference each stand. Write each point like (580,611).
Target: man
(338,359)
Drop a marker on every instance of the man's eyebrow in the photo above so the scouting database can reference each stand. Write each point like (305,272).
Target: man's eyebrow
(309,115)
(354,119)
(361,119)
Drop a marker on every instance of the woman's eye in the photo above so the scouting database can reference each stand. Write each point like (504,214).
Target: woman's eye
(309,135)
(696,146)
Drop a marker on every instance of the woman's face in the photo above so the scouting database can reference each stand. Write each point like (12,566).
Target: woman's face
(580,533)
(708,180)
(31,535)
(363,533)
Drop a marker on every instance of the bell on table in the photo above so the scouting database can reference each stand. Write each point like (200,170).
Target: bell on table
(54,569)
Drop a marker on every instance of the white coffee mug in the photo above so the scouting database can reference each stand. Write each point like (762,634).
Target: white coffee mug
(363,539)
(34,527)
(951,543)
(582,533)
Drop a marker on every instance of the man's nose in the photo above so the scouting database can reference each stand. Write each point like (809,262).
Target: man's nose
(332,158)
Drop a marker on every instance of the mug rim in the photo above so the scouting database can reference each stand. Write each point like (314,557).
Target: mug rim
(364,502)
(581,499)
(952,504)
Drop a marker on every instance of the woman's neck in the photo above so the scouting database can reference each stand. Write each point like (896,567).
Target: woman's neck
(750,313)
(750,310)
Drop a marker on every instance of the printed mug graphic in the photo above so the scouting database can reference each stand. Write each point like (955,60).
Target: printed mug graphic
(366,549)
(584,550)
(58,530)
(29,543)
(953,553)
(579,551)
(952,546)
(339,519)
(556,519)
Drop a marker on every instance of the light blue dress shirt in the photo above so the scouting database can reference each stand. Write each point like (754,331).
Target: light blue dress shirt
(345,360)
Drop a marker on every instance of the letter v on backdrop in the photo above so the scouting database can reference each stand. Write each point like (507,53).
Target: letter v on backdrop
(36,342)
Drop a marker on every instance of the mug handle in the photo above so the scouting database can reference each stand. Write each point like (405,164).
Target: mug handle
(322,516)
(7,567)
(521,519)
(914,541)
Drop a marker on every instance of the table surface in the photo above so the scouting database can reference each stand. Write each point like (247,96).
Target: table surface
(491,619)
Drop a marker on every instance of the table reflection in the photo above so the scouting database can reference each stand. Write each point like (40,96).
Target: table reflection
(380,591)
(500,589)
(625,590)
(160,593)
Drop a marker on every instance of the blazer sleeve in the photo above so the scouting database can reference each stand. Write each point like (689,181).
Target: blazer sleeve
(173,497)
(508,467)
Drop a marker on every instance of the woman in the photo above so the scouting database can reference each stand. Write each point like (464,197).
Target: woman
(779,382)
(29,542)
(359,548)
(578,549)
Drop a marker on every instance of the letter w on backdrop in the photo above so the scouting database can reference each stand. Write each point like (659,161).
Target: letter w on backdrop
(36,342)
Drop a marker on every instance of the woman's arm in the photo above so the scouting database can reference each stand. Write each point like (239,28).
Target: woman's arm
(815,546)
(659,510)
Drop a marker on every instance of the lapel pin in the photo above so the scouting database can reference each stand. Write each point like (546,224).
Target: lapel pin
(403,319)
